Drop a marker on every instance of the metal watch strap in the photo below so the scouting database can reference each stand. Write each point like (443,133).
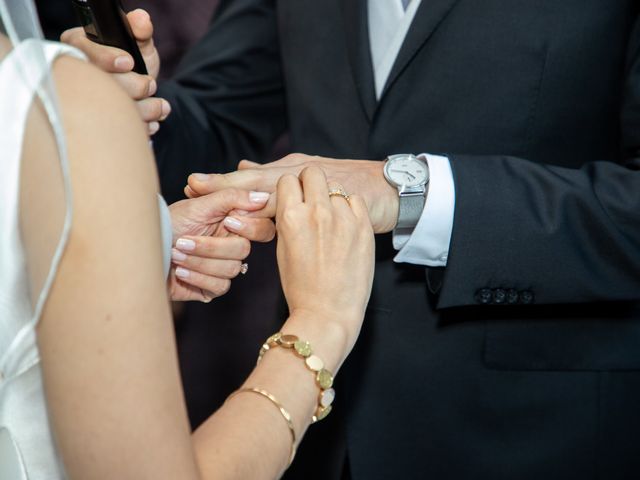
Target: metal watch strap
(411,207)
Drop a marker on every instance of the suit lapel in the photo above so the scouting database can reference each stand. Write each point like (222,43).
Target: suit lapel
(427,19)
(357,36)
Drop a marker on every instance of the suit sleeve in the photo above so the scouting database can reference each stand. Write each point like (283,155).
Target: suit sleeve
(526,232)
(227,98)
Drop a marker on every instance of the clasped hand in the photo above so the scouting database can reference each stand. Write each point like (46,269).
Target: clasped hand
(211,237)
(362,177)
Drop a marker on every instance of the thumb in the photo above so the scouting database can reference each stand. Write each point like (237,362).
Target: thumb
(141,25)
(245,164)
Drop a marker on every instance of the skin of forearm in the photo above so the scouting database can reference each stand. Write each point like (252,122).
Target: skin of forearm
(251,423)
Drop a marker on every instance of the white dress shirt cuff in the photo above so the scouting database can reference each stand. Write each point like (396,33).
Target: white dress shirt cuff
(428,243)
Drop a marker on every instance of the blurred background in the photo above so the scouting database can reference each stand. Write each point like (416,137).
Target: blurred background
(176,27)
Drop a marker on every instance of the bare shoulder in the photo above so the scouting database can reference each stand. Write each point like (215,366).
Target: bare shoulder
(107,142)
(110,162)
(96,110)
(84,89)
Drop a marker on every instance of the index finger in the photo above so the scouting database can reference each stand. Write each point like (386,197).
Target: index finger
(314,183)
(108,59)
(203,184)
(289,193)
(268,211)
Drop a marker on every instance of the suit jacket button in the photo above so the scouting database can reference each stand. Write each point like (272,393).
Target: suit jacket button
(526,297)
(484,296)
(512,296)
(499,296)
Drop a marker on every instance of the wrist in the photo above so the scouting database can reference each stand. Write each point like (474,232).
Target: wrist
(329,332)
(387,205)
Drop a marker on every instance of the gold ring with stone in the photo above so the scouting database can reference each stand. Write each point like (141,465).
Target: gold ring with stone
(338,192)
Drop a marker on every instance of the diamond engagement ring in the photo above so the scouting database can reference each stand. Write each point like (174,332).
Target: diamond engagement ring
(244,268)
(338,192)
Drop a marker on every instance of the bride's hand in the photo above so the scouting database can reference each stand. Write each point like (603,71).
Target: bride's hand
(211,239)
(325,252)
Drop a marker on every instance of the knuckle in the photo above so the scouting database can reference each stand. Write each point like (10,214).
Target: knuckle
(149,110)
(218,179)
(285,179)
(209,246)
(291,157)
(221,287)
(233,270)
(72,36)
(290,217)
(314,166)
(310,169)
(140,87)
(195,263)
(229,195)
(101,55)
(245,247)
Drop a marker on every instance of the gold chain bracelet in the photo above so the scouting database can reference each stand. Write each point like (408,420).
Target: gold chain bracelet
(324,378)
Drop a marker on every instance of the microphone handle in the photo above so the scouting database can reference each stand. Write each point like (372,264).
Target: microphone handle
(105,22)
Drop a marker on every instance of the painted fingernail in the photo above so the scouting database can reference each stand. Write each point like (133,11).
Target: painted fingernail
(177,255)
(153,88)
(182,272)
(123,63)
(186,244)
(258,197)
(153,128)
(233,223)
(166,109)
(200,177)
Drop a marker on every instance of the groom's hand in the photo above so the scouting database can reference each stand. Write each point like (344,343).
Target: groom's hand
(120,64)
(362,177)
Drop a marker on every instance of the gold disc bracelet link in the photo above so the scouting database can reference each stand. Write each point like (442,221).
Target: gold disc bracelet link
(323,377)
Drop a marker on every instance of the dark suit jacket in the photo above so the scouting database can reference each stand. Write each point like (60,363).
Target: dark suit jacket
(520,359)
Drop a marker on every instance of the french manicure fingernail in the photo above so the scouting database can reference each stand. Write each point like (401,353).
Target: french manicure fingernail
(123,63)
(182,272)
(153,88)
(153,128)
(201,177)
(233,223)
(258,197)
(177,255)
(186,244)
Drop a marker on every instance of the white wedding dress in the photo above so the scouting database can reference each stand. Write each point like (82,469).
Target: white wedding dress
(27,447)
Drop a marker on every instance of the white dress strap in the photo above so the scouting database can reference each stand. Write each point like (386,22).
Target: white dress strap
(23,73)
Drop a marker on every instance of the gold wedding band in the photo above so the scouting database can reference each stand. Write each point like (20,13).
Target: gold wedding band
(244,268)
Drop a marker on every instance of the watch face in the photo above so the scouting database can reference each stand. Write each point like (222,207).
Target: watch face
(407,171)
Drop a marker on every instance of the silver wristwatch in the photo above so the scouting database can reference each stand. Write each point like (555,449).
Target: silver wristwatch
(410,175)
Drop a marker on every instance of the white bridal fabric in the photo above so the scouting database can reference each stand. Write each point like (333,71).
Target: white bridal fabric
(27,448)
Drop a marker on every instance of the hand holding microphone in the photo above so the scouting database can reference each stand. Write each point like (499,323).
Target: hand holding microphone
(105,22)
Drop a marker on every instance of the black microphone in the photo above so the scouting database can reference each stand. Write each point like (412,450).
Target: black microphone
(105,22)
